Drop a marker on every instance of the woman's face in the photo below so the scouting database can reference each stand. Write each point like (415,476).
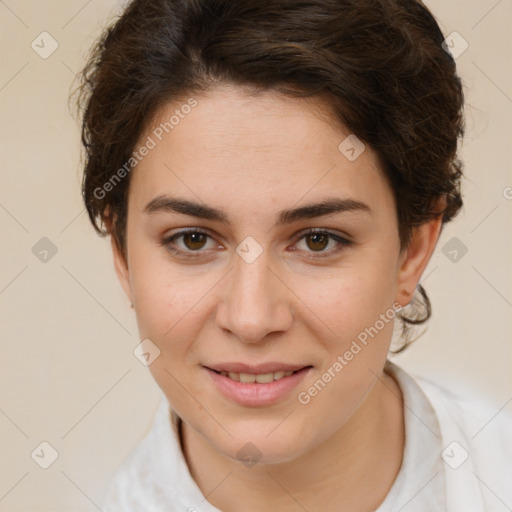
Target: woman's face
(251,287)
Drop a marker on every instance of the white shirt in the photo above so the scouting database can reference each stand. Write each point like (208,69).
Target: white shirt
(457,458)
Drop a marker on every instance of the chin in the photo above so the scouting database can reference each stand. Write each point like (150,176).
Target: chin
(260,442)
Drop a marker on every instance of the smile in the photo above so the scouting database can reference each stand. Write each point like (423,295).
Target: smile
(262,378)
(264,388)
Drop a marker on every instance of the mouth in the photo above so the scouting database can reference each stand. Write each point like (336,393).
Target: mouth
(257,385)
(260,378)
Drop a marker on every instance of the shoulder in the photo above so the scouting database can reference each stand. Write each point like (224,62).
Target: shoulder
(469,411)
(142,481)
(122,490)
(476,443)
(475,440)
(472,414)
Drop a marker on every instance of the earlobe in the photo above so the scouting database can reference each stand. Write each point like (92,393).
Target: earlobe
(121,267)
(415,258)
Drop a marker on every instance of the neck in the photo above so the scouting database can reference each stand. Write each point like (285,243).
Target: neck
(352,470)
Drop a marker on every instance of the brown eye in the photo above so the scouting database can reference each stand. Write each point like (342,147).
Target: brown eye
(317,241)
(191,243)
(321,243)
(194,241)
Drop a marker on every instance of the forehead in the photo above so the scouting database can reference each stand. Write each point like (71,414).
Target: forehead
(233,147)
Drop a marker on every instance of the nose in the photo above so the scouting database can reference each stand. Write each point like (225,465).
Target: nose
(255,302)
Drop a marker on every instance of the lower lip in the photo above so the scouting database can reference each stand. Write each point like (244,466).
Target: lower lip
(254,394)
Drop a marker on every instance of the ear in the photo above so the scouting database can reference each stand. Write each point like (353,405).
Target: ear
(415,257)
(121,266)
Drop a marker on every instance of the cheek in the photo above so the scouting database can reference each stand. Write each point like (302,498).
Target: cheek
(174,306)
(351,300)
(358,309)
(165,298)
(362,318)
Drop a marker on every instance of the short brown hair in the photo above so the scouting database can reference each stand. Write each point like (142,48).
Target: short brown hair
(379,63)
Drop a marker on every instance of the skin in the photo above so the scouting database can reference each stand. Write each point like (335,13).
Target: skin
(253,156)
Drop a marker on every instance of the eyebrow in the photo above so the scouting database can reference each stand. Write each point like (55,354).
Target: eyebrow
(308,211)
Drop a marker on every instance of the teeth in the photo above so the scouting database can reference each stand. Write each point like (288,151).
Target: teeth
(234,376)
(263,378)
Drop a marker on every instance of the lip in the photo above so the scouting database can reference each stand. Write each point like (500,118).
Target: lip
(253,394)
(256,369)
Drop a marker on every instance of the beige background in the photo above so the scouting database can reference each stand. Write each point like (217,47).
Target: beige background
(68,375)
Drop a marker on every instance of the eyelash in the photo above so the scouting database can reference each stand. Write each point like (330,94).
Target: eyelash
(343,243)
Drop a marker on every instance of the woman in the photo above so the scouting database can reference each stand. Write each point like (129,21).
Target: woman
(274,176)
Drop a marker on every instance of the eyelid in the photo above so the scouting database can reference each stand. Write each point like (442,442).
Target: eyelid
(336,235)
(343,241)
(167,240)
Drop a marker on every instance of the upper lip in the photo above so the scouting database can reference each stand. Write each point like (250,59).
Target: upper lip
(256,369)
